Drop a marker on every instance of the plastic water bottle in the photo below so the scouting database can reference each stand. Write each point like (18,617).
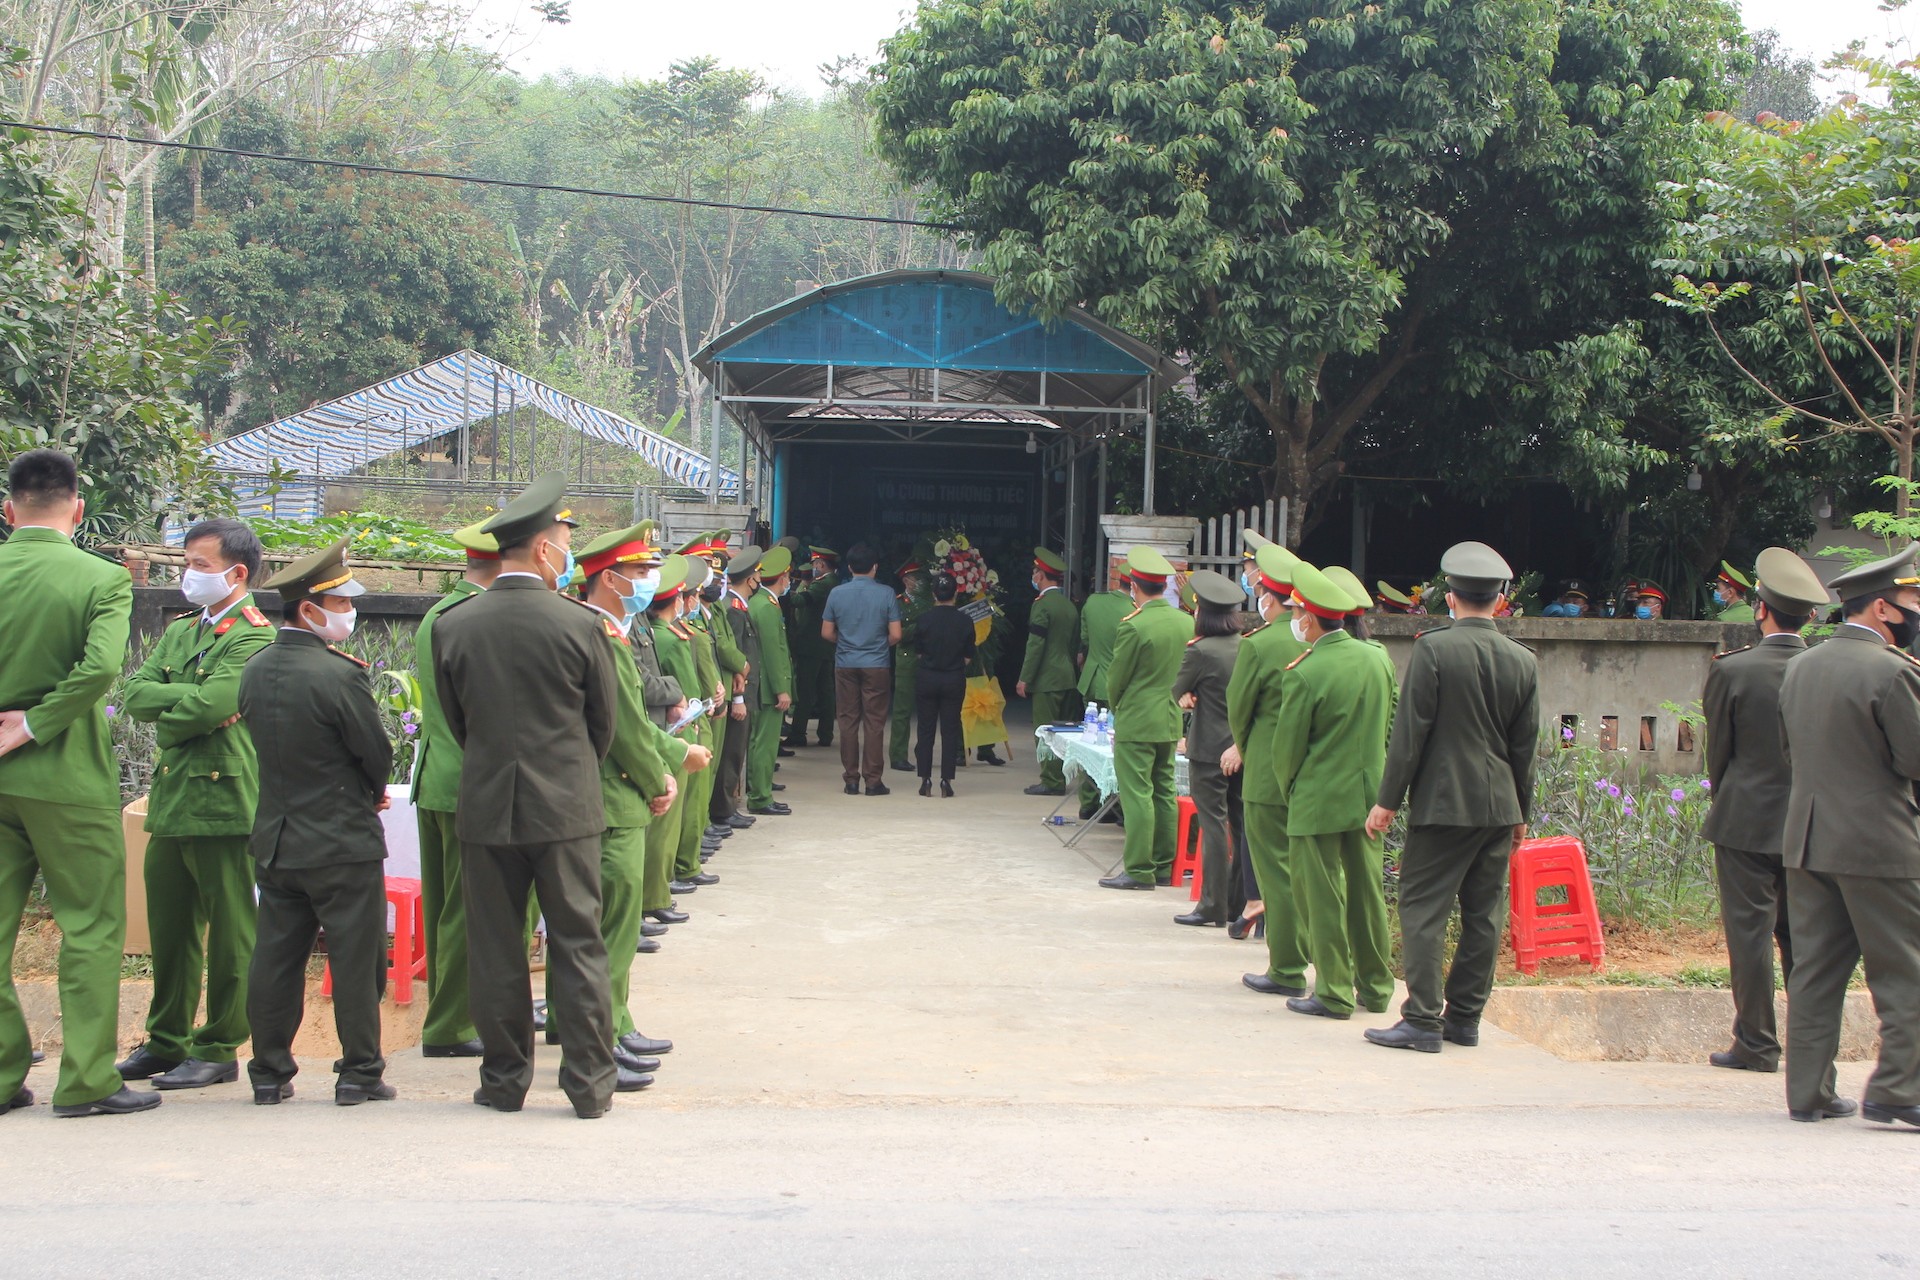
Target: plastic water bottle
(1106,725)
(1090,722)
(1057,820)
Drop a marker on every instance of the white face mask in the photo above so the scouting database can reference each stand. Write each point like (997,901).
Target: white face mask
(1299,628)
(205,589)
(337,626)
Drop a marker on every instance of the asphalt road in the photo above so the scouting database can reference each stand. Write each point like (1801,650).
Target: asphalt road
(914,1039)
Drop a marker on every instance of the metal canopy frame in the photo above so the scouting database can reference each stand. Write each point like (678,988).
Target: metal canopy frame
(925,357)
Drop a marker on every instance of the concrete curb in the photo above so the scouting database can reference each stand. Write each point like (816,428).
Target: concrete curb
(1640,1024)
(399,1027)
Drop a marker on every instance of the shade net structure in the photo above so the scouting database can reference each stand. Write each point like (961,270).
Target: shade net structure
(933,358)
(442,399)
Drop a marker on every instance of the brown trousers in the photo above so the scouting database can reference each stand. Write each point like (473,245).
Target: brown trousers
(862,694)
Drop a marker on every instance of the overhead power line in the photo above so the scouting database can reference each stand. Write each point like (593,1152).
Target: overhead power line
(474,179)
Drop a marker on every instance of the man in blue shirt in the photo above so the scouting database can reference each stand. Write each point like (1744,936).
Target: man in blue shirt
(862,622)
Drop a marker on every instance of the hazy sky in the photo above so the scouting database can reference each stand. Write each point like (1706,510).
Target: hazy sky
(789,39)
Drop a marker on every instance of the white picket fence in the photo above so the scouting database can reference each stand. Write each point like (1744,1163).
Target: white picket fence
(1217,545)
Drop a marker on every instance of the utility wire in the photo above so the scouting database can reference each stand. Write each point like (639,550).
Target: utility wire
(475,180)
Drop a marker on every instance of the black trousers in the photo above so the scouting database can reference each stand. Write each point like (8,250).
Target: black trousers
(937,696)
(496,879)
(1753,906)
(730,786)
(1223,840)
(349,901)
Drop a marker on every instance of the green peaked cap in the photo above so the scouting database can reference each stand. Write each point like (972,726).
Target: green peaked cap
(776,562)
(1788,583)
(673,572)
(1343,578)
(1320,593)
(1276,564)
(1217,590)
(537,509)
(1049,560)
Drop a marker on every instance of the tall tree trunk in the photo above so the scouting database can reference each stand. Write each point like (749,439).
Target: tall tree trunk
(1902,499)
(150,278)
(195,183)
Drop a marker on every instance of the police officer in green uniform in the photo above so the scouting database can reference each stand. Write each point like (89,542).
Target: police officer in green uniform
(198,876)
(1750,781)
(1464,741)
(1100,620)
(776,683)
(1329,749)
(665,700)
(1201,688)
(448,1031)
(530,691)
(1046,673)
(743,580)
(1850,708)
(675,656)
(1146,722)
(1730,592)
(706,667)
(63,638)
(914,601)
(1253,713)
(710,619)
(318,845)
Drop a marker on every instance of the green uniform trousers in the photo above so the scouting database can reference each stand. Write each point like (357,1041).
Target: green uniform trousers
(444,914)
(663,846)
(1271,855)
(81,854)
(693,823)
(1144,772)
(763,753)
(1753,907)
(1089,794)
(349,901)
(1442,866)
(1050,706)
(1837,922)
(1342,904)
(199,887)
(623,874)
(900,732)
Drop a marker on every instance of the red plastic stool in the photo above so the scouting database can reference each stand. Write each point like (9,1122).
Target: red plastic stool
(1186,849)
(1570,928)
(407,957)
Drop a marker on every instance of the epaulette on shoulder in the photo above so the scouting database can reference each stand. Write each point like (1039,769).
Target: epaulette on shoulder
(358,662)
(576,600)
(182,617)
(1196,640)
(1302,658)
(448,606)
(1255,630)
(254,616)
(614,633)
(1909,658)
(226,625)
(1730,652)
(1130,617)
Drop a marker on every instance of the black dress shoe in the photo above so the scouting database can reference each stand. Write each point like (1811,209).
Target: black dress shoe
(1835,1109)
(785,752)
(1086,815)
(271,1095)
(1123,881)
(1114,818)
(851,788)
(1040,789)
(739,821)
(1404,1035)
(703,877)
(352,1095)
(705,857)
(824,742)
(1311,1006)
(540,1017)
(791,744)
(879,789)
(1733,1062)
(651,929)
(195,1074)
(625,1081)
(480,1099)
(667,915)
(463,1049)
(901,768)
(774,810)
(986,756)
(679,887)
(1195,918)
(646,946)
(634,1061)
(123,1103)
(24,1098)
(634,1042)
(39,1057)
(1163,882)
(714,831)
(946,789)
(779,786)
(1465,1034)
(144,1064)
(1267,986)
(1888,1113)
(926,786)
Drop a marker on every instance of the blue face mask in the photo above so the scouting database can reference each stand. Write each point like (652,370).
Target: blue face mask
(1643,612)
(1246,584)
(565,579)
(644,588)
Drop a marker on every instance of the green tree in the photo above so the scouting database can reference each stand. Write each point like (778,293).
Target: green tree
(1318,197)
(90,364)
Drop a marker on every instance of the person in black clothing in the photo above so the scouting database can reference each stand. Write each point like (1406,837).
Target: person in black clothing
(944,638)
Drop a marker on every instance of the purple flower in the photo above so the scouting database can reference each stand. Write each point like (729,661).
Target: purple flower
(1706,786)
(1613,790)
(1672,812)
(406,717)
(379,663)
(1566,732)
(1678,794)
(1600,784)
(409,730)
(112,711)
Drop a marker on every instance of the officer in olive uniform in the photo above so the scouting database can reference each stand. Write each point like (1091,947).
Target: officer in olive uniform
(914,601)
(1147,650)
(1464,741)
(198,876)
(1046,673)
(1730,592)
(1329,750)
(448,1031)
(63,638)
(318,844)
(813,681)
(1205,672)
(669,645)
(1750,780)
(710,620)
(528,683)
(1100,620)
(1253,714)
(776,683)
(701,733)
(1850,707)
(743,580)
